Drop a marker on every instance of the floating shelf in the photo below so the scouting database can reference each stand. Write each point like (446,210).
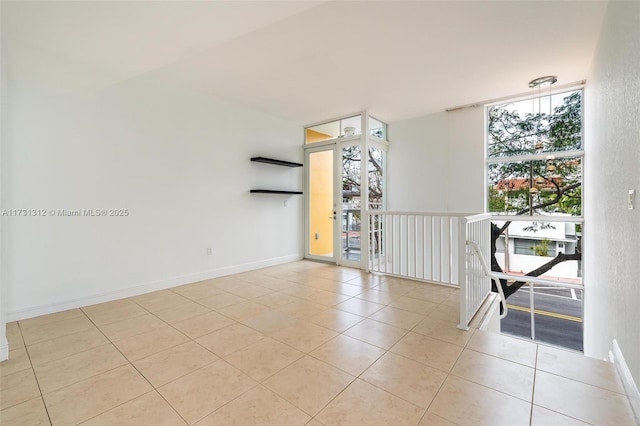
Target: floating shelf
(275,162)
(272,191)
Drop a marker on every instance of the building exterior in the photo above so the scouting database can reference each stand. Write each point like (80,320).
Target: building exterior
(527,245)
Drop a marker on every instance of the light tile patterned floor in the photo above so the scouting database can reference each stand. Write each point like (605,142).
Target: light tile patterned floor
(296,344)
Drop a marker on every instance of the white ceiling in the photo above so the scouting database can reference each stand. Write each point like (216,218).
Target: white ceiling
(307,61)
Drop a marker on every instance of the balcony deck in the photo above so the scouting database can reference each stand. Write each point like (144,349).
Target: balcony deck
(300,343)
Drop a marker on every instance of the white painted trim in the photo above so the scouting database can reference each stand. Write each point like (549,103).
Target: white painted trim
(491,319)
(342,117)
(536,157)
(147,288)
(627,379)
(4,349)
(562,88)
(308,150)
(364,195)
(4,345)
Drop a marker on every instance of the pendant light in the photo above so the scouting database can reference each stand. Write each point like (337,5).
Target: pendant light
(538,83)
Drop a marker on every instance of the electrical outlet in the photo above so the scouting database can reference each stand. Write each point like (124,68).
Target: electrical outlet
(632,199)
(209,251)
(285,203)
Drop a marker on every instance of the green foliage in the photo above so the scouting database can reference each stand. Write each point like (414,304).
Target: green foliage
(496,200)
(541,248)
(566,124)
(512,132)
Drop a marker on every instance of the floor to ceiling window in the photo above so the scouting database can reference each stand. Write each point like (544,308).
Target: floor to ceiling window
(534,186)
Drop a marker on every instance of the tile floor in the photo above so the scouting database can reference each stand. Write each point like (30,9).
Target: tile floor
(296,344)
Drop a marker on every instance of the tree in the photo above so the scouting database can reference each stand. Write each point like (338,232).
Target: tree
(351,156)
(541,183)
(351,188)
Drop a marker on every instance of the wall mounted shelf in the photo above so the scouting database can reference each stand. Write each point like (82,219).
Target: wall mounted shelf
(275,162)
(273,191)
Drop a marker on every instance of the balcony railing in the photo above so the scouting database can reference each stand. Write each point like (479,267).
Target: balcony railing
(433,247)
(454,250)
(534,283)
(547,308)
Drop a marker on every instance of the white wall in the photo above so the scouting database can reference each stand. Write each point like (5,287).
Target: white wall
(4,344)
(436,162)
(612,167)
(418,165)
(179,161)
(466,160)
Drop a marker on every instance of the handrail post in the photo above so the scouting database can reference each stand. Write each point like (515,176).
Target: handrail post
(364,242)
(532,309)
(462,272)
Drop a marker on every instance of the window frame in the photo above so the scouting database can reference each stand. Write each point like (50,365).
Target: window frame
(580,153)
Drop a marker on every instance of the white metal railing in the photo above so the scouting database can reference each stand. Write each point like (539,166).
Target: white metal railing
(475,247)
(420,246)
(515,261)
(433,247)
(535,280)
(477,251)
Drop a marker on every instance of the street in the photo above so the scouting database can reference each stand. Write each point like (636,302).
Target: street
(558,316)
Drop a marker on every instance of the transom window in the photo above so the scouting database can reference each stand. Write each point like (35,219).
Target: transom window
(345,128)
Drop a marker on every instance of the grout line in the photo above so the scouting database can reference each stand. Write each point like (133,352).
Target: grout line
(141,375)
(169,404)
(387,391)
(533,388)
(436,395)
(46,409)
(500,358)
(490,388)
(121,404)
(364,288)
(332,399)
(233,399)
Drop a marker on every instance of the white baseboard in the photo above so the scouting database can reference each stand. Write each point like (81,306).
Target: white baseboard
(136,290)
(627,379)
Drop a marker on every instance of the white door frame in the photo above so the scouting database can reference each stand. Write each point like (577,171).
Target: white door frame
(308,150)
(336,145)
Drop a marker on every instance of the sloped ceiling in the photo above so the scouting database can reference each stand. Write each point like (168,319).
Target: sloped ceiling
(307,61)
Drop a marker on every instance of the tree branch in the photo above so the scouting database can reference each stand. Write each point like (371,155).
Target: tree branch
(561,257)
(375,163)
(555,200)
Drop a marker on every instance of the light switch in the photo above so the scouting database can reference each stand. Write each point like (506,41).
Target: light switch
(632,199)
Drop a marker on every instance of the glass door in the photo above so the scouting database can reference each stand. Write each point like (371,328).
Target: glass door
(321,203)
